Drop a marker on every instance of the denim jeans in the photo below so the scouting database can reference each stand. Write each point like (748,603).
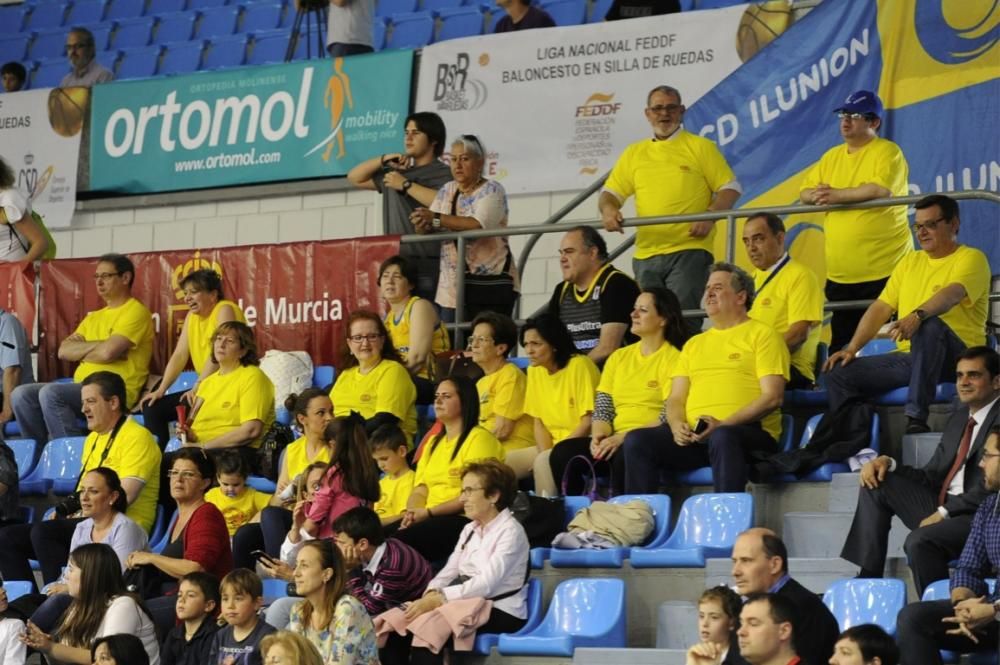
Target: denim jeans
(684,273)
(46,411)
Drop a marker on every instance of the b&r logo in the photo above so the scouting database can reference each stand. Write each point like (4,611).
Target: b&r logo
(454,90)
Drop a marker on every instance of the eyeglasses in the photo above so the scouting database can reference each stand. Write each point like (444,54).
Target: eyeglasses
(104,276)
(466,491)
(917,228)
(480,339)
(371,337)
(987,455)
(844,115)
(70,48)
(668,108)
(183,475)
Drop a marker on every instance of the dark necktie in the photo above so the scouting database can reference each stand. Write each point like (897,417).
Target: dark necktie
(963,452)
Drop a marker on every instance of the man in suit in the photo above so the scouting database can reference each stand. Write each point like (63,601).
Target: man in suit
(760,565)
(937,501)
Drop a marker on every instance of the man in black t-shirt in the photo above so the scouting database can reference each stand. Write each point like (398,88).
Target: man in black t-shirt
(409,180)
(522,16)
(595,301)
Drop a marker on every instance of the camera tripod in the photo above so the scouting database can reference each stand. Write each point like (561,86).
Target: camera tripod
(313,14)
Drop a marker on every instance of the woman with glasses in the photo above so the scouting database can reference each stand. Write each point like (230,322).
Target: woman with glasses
(468,203)
(634,385)
(373,380)
(502,389)
(25,240)
(207,309)
(433,517)
(198,541)
(490,561)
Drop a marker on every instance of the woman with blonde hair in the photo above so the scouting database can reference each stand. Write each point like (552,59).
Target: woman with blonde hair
(287,648)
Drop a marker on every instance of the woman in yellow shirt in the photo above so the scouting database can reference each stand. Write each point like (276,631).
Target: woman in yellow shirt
(560,395)
(434,514)
(634,384)
(207,309)
(373,381)
(501,390)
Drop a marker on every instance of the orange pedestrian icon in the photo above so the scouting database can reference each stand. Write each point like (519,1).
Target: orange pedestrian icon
(338,90)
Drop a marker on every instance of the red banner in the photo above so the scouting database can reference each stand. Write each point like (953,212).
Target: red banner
(294,295)
(18,292)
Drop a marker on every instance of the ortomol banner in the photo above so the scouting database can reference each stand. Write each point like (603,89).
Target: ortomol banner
(556,107)
(40,140)
(279,122)
(296,296)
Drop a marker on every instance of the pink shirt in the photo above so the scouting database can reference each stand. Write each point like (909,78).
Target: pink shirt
(330,502)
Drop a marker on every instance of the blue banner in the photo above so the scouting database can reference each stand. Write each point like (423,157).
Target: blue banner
(309,119)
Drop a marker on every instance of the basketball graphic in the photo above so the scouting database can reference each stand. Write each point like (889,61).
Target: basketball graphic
(67,108)
(761,24)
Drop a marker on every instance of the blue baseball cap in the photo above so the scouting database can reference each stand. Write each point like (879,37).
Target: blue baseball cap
(862,101)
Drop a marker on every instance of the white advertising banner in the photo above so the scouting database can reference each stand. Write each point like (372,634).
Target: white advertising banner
(555,107)
(40,140)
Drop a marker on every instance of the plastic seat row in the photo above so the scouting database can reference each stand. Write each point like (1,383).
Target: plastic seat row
(16,19)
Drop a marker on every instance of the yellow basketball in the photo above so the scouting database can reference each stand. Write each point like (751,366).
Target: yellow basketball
(67,109)
(761,24)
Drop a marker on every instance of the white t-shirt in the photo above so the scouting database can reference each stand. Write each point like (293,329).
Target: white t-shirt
(12,650)
(14,206)
(124,616)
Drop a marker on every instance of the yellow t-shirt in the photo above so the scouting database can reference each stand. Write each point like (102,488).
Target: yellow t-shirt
(559,400)
(863,245)
(386,388)
(399,332)
(638,384)
(793,295)
(394,493)
(200,331)
(240,509)
(918,277)
(131,320)
(440,472)
(133,454)
(502,394)
(670,177)
(233,399)
(296,459)
(725,368)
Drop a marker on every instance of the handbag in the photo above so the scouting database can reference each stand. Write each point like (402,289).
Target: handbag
(455,363)
(590,487)
(268,457)
(496,291)
(144,581)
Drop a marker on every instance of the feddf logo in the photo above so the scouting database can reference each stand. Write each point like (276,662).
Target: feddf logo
(454,90)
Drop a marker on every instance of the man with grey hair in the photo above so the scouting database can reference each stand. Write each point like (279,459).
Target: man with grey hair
(80,50)
(725,397)
(674,173)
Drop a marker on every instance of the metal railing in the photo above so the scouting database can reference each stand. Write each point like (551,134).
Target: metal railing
(461,238)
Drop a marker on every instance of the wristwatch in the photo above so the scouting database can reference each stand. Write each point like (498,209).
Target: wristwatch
(921,314)
(406,186)
(436,221)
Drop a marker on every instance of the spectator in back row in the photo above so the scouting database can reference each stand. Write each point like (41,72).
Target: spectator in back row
(86,71)
(25,240)
(623,9)
(408,180)
(117,338)
(595,299)
(522,15)
(673,173)
(13,77)
(15,362)
(349,27)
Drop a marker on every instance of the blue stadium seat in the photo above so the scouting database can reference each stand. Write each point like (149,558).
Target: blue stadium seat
(571,505)
(941,590)
(159,525)
(102,35)
(134,33)
(140,63)
(274,589)
(817,397)
(379,28)
(486,641)
(521,361)
(262,16)
(583,613)
(825,472)
(270,48)
(599,10)
(173,444)
(49,74)
(706,528)
(876,347)
(567,12)
(119,10)
(11,429)
(24,454)
(323,376)
(66,461)
(226,52)
(182,58)
(14,47)
(83,12)
(49,45)
(176,27)
(944,393)
(156,546)
(206,4)
(460,22)
(185,381)
(35,483)
(703,476)
(390,7)
(495,15)
(11,20)
(413,30)
(17,588)
(614,557)
(261,484)
(437,5)
(217,22)
(160,7)
(46,16)
(858,601)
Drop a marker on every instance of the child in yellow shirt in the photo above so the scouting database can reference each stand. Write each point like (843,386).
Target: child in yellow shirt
(389,448)
(237,502)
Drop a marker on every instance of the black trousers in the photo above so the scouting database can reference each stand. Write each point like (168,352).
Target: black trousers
(844,322)
(46,541)
(158,416)
(928,549)
(567,449)
(435,538)
(397,649)
(921,634)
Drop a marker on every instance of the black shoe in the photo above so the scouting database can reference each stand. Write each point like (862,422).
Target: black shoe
(916,426)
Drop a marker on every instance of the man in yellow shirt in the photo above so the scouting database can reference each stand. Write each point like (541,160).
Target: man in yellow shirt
(725,395)
(862,246)
(788,297)
(673,173)
(117,338)
(940,296)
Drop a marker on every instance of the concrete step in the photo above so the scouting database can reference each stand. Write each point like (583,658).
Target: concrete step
(629,657)
(843,493)
(919,448)
(677,625)
(819,535)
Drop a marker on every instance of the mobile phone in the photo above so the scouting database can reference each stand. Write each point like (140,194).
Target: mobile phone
(261,555)
(700,426)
